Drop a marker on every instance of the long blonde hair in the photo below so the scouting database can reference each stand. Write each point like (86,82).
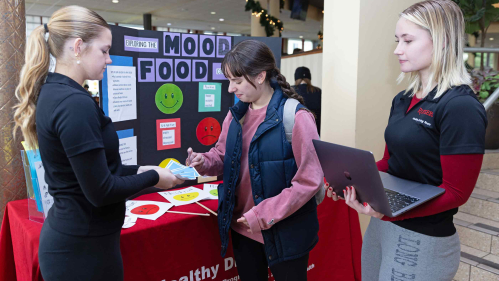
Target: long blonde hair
(67,22)
(445,22)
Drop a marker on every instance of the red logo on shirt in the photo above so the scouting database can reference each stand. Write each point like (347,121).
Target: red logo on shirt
(425,112)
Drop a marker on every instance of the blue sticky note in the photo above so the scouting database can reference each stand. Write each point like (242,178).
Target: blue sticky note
(123,134)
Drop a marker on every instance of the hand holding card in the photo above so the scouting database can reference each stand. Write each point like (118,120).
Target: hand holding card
(167,179)
(182,172)
(184,177)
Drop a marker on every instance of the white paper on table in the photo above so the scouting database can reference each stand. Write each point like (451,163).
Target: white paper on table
(129,221)
(122,93)
(211,190)
(128,150)
(150,210)
(184,196)
(47,199)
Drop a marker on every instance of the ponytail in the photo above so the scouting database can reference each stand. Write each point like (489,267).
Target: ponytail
(64,24)
(33,74)
(285,87)
(310,87)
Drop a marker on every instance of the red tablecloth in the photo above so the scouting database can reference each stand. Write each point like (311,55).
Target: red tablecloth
(179,247)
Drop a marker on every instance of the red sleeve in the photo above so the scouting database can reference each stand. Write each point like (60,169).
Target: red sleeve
(383,163)
(460,173)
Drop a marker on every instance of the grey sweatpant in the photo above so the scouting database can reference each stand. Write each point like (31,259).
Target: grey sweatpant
(393,253)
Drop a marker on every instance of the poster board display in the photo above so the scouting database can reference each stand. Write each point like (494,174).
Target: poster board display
(166,92)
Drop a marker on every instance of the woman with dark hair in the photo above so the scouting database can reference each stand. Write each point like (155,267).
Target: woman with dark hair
(311,95)
(267,197)
(80,239)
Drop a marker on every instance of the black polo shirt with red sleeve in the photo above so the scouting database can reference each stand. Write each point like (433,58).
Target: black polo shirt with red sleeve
(453,123)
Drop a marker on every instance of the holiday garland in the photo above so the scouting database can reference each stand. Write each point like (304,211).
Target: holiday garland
(270,23)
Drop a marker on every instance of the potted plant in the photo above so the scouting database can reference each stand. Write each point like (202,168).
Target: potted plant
(485,82)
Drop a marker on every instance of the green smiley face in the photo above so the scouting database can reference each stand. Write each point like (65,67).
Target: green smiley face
(169,98)
(214,192)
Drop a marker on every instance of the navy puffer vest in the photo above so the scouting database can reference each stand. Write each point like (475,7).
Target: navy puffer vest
(272,167)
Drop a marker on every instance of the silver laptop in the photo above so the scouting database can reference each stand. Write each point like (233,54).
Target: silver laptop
(345,166)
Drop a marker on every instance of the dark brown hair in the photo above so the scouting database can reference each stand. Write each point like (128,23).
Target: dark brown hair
(310,87)
(249,58)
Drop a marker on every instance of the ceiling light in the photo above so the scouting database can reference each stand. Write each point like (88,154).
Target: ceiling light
(301,36)
(168,24)
(212,28)
(116,1)
(221,19)
(491,39)
(213,13)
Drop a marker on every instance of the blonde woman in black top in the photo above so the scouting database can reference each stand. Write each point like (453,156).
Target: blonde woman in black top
(435,135)
(79,148)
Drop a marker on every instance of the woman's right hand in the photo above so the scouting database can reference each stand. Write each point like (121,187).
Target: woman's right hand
(194,159)
(167,180)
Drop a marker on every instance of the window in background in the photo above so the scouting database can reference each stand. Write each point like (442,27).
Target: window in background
(134,26)
(294,44)
(33,22)
(177,30)
(172,29)
(309,45)
(93,87)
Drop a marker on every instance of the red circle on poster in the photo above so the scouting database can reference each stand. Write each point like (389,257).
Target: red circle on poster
(208,131)
(145,210)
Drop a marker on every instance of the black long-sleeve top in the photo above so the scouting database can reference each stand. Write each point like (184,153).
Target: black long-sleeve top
(79,148)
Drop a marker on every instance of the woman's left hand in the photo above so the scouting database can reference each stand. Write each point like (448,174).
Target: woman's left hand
(351,200)
(245,222)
